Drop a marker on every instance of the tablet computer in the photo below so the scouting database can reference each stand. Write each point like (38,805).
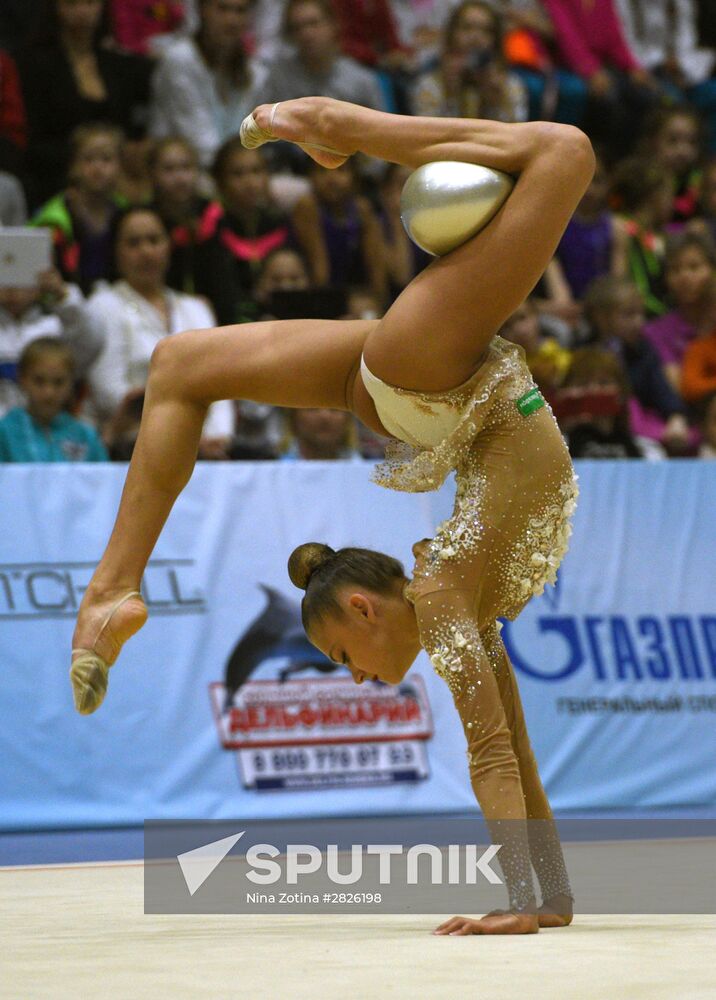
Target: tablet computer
(24,253)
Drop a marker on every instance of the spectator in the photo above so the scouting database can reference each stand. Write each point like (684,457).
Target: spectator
(82,217)
(662,35)
(547,359)
(340,231)
(698,373)
(554,92)
(82,80)
(690,273)
(48,309)
(139,310)
(282,270)
(368,34)
(135,23)
(592,407)
(174,170)
(13,207)
(472,80)
(592,244)
(672,137)
(238,232)
(13,128)
(403,258)
(317,67)
(259,426)
(615,311)
(708,428)
(590,42)
(204,86)
(643,195)
(321,434)
(42,430)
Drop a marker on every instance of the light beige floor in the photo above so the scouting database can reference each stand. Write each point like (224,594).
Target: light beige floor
(79,932)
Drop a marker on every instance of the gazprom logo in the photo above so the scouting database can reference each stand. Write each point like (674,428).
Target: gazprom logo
(618,647)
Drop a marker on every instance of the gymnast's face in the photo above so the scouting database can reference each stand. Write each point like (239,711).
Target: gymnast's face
(376,637)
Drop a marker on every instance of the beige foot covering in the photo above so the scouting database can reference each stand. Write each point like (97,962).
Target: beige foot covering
(89,672)
(252,136)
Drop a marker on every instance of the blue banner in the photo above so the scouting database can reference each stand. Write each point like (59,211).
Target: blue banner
(220,708)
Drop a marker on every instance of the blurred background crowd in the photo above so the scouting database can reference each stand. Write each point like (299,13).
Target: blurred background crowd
(119,132)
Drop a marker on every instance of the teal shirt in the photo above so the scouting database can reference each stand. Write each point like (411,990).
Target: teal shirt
(65,439)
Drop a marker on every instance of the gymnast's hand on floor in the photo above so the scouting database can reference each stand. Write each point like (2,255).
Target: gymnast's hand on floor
(493,923)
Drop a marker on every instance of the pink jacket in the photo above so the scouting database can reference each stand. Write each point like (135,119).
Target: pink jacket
(589,36)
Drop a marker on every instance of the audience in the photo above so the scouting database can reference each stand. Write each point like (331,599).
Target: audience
(672,138)
(205,85)
(317,65)
(615,310)
(138,310)
(619,332)
(174,171)
(592,407)
(593,244)
(83,216)
(643,192)
(41,430)
(325,435)
(340,231)
(472,79)
(71,76)
(238,232)
(50,308)
(690,274)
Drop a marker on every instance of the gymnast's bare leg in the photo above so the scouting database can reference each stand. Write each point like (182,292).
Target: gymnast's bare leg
(432,338)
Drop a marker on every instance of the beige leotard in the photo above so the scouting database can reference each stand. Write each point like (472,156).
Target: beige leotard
(505,539)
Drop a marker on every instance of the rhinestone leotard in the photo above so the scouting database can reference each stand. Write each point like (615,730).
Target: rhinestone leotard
(508,533)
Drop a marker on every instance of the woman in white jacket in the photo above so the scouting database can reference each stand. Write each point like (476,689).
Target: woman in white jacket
(138,311)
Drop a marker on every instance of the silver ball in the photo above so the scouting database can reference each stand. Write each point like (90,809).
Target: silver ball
(444,203)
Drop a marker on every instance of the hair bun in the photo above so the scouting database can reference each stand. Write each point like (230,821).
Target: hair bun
(305,560)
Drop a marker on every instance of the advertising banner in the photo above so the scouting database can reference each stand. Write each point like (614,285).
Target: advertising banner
(220,707)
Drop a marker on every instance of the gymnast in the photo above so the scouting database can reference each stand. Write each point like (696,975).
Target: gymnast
(433,375)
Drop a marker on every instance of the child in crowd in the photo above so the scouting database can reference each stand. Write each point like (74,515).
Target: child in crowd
(82,217)
(592,244)
(673,138)
(690,275)
(472,80)
(340,231)
(238,232)
(49,308)
(547,359)
(174,170)
(321,434)
(642,194)
(708,428)
(615,312)
(42,430)
(592,407)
